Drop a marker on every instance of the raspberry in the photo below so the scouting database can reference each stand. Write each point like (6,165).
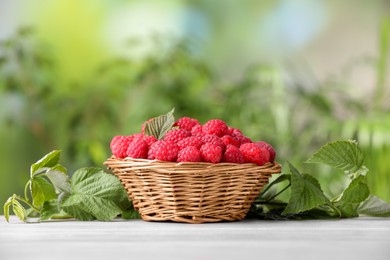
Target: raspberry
(163,151)
(215,126)
(211,153)
(254,154)
(119,145)
(137,136)
(186,123)
(149,139)
(233,155)
(138,149)
(242,139)
(271,150)
(228,139)
(190,141)
(213,139)
(230,130)
(176,135)
(197,130)
(189,154)
(234,131)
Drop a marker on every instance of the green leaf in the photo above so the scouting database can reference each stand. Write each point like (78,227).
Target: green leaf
(59,179)
(51,209)
(126,206)
(41,191)
(356,192)
(160,125)
(19,210)
(94,195)
(49,160)
(374,206)
(342,155)
(129,212)
(347,210)
(306,193)
(7,204)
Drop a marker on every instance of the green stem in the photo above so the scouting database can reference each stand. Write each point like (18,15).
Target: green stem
(26,189)
(270,203)
(277,194)
(335,209)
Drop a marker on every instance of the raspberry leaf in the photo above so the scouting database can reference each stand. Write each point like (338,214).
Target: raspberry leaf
(19,210)
(160,125)
(342,155)
(51,209)
(374,206)
(94,195)
(41,190)
(59,179)
(306,193)
(6,207)
(356,192)
(48,161)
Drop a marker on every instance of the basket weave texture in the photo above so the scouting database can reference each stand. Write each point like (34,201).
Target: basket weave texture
(191,192)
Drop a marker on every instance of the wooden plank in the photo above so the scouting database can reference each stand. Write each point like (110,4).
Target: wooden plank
(359,238)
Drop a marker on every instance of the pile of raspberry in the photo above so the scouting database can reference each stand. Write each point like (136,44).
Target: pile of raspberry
(189,141)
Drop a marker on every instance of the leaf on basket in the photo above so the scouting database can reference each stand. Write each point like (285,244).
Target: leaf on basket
(160,125)
(94,195)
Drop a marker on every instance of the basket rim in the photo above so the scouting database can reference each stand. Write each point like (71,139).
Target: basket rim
(274,167)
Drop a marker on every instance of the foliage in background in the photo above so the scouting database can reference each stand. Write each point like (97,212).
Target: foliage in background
(39,113)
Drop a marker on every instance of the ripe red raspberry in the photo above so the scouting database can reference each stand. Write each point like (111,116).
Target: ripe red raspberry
(190,141)
(211,153)
(186,123)
(233,155)
(197,130)
(189,154)
(242,139)
(271,150)
(138,149)
(216,127)
(163,151)
(136,136)
(228,139)
(119,145)
(234,131)
(254,154)
(149,139)
(213,139)
(175,135)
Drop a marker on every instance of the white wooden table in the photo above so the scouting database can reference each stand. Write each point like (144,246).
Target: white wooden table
(359,238)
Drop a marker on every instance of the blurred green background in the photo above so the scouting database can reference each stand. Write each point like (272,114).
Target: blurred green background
(295,73)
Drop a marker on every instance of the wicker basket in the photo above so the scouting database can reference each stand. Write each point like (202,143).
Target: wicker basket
(191,192)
